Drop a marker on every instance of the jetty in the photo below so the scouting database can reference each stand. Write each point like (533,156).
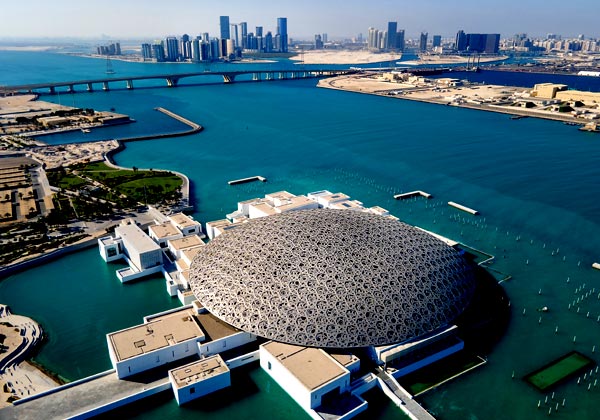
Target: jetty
(463,208)
(412,194)
(249,179)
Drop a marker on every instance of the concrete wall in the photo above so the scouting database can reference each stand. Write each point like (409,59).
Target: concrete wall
(201,388)
(307,399)
(151,359)
(429,360)
(225,343)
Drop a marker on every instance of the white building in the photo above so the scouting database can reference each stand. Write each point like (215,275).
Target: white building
(309,375)
(142,254)
(170,336)
(164,232)
(199,378)
(185,224)
(163,339)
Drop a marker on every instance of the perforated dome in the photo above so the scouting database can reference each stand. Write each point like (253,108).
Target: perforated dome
(331,278)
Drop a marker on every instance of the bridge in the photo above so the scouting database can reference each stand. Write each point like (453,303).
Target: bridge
(172,79)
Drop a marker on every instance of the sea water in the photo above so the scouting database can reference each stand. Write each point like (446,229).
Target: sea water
(533,181)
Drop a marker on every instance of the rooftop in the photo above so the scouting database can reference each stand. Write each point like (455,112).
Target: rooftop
(214,327)
(164,230)
(312,367)
(198,371)
(182,220)
(332,278)
(136,237)
(186,242)
(160,332)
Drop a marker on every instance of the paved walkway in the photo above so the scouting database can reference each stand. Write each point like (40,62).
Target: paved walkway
(412,408)
(72,401)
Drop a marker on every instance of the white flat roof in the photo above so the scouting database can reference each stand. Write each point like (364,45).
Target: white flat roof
(199,371)
(162,331)
(182,220)
(137,238)
(311,366)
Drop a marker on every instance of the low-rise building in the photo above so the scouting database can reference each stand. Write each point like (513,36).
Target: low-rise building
(309,375)
(164,232)
(199,378)
(163,339)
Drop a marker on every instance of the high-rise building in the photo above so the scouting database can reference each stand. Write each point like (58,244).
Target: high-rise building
(268,42)
(436,41)
(158,52)
(482,43)
(205,37)
(283,34)
(423,41)
(391,38)
(461,41)
(400,40)
(318,42)
(224,24)
(172,48)
(324,38)
(235,34)
(146,52)
(372,39)
(196,56)
(185,47)
(205,51)
(259,31)
(215,49)
(244,27)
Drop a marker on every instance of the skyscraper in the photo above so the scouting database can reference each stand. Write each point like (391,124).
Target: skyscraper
(259,31)
(146,51)
(158,52)
(423,41)
(283,34)
(224,23)
(391,37)
(400,40)
(372,39)
(461,41)
(436,41)
(172,48)
(244,26)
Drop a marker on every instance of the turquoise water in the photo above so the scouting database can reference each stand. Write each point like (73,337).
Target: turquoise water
(535,183)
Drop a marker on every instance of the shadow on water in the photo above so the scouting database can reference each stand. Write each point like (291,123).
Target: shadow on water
(486,319)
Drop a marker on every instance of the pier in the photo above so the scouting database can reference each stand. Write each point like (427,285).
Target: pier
(412,194)
(463,208)
(249,179)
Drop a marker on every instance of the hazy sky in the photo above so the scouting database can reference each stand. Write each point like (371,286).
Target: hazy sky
(121,19)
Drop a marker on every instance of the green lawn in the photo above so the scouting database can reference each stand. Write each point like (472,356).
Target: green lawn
(142,186)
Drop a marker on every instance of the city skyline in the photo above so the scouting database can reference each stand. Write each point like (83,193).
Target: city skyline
(149,19)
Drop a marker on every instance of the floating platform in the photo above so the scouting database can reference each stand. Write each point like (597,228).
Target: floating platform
(249,179)
(463,208)
(412,194)
(559,370)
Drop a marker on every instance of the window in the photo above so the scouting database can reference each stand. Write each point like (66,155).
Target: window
(269,365)
(192,390)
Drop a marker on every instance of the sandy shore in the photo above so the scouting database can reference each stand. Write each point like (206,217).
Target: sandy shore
(493,98)
(19,379)
(344,57)
(449,59)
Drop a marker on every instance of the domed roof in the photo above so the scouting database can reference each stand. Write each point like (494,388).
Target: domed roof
(331,278)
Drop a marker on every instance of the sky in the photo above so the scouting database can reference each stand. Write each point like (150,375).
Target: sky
(150,19)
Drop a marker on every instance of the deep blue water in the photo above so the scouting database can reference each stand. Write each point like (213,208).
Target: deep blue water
(535,183)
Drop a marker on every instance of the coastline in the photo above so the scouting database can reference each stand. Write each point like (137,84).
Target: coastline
(20,377)
(386,89)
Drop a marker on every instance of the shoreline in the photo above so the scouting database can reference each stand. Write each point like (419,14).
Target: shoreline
(20,377)
(522,112)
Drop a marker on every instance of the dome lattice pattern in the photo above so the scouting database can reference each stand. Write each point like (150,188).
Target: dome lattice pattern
(332,278)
